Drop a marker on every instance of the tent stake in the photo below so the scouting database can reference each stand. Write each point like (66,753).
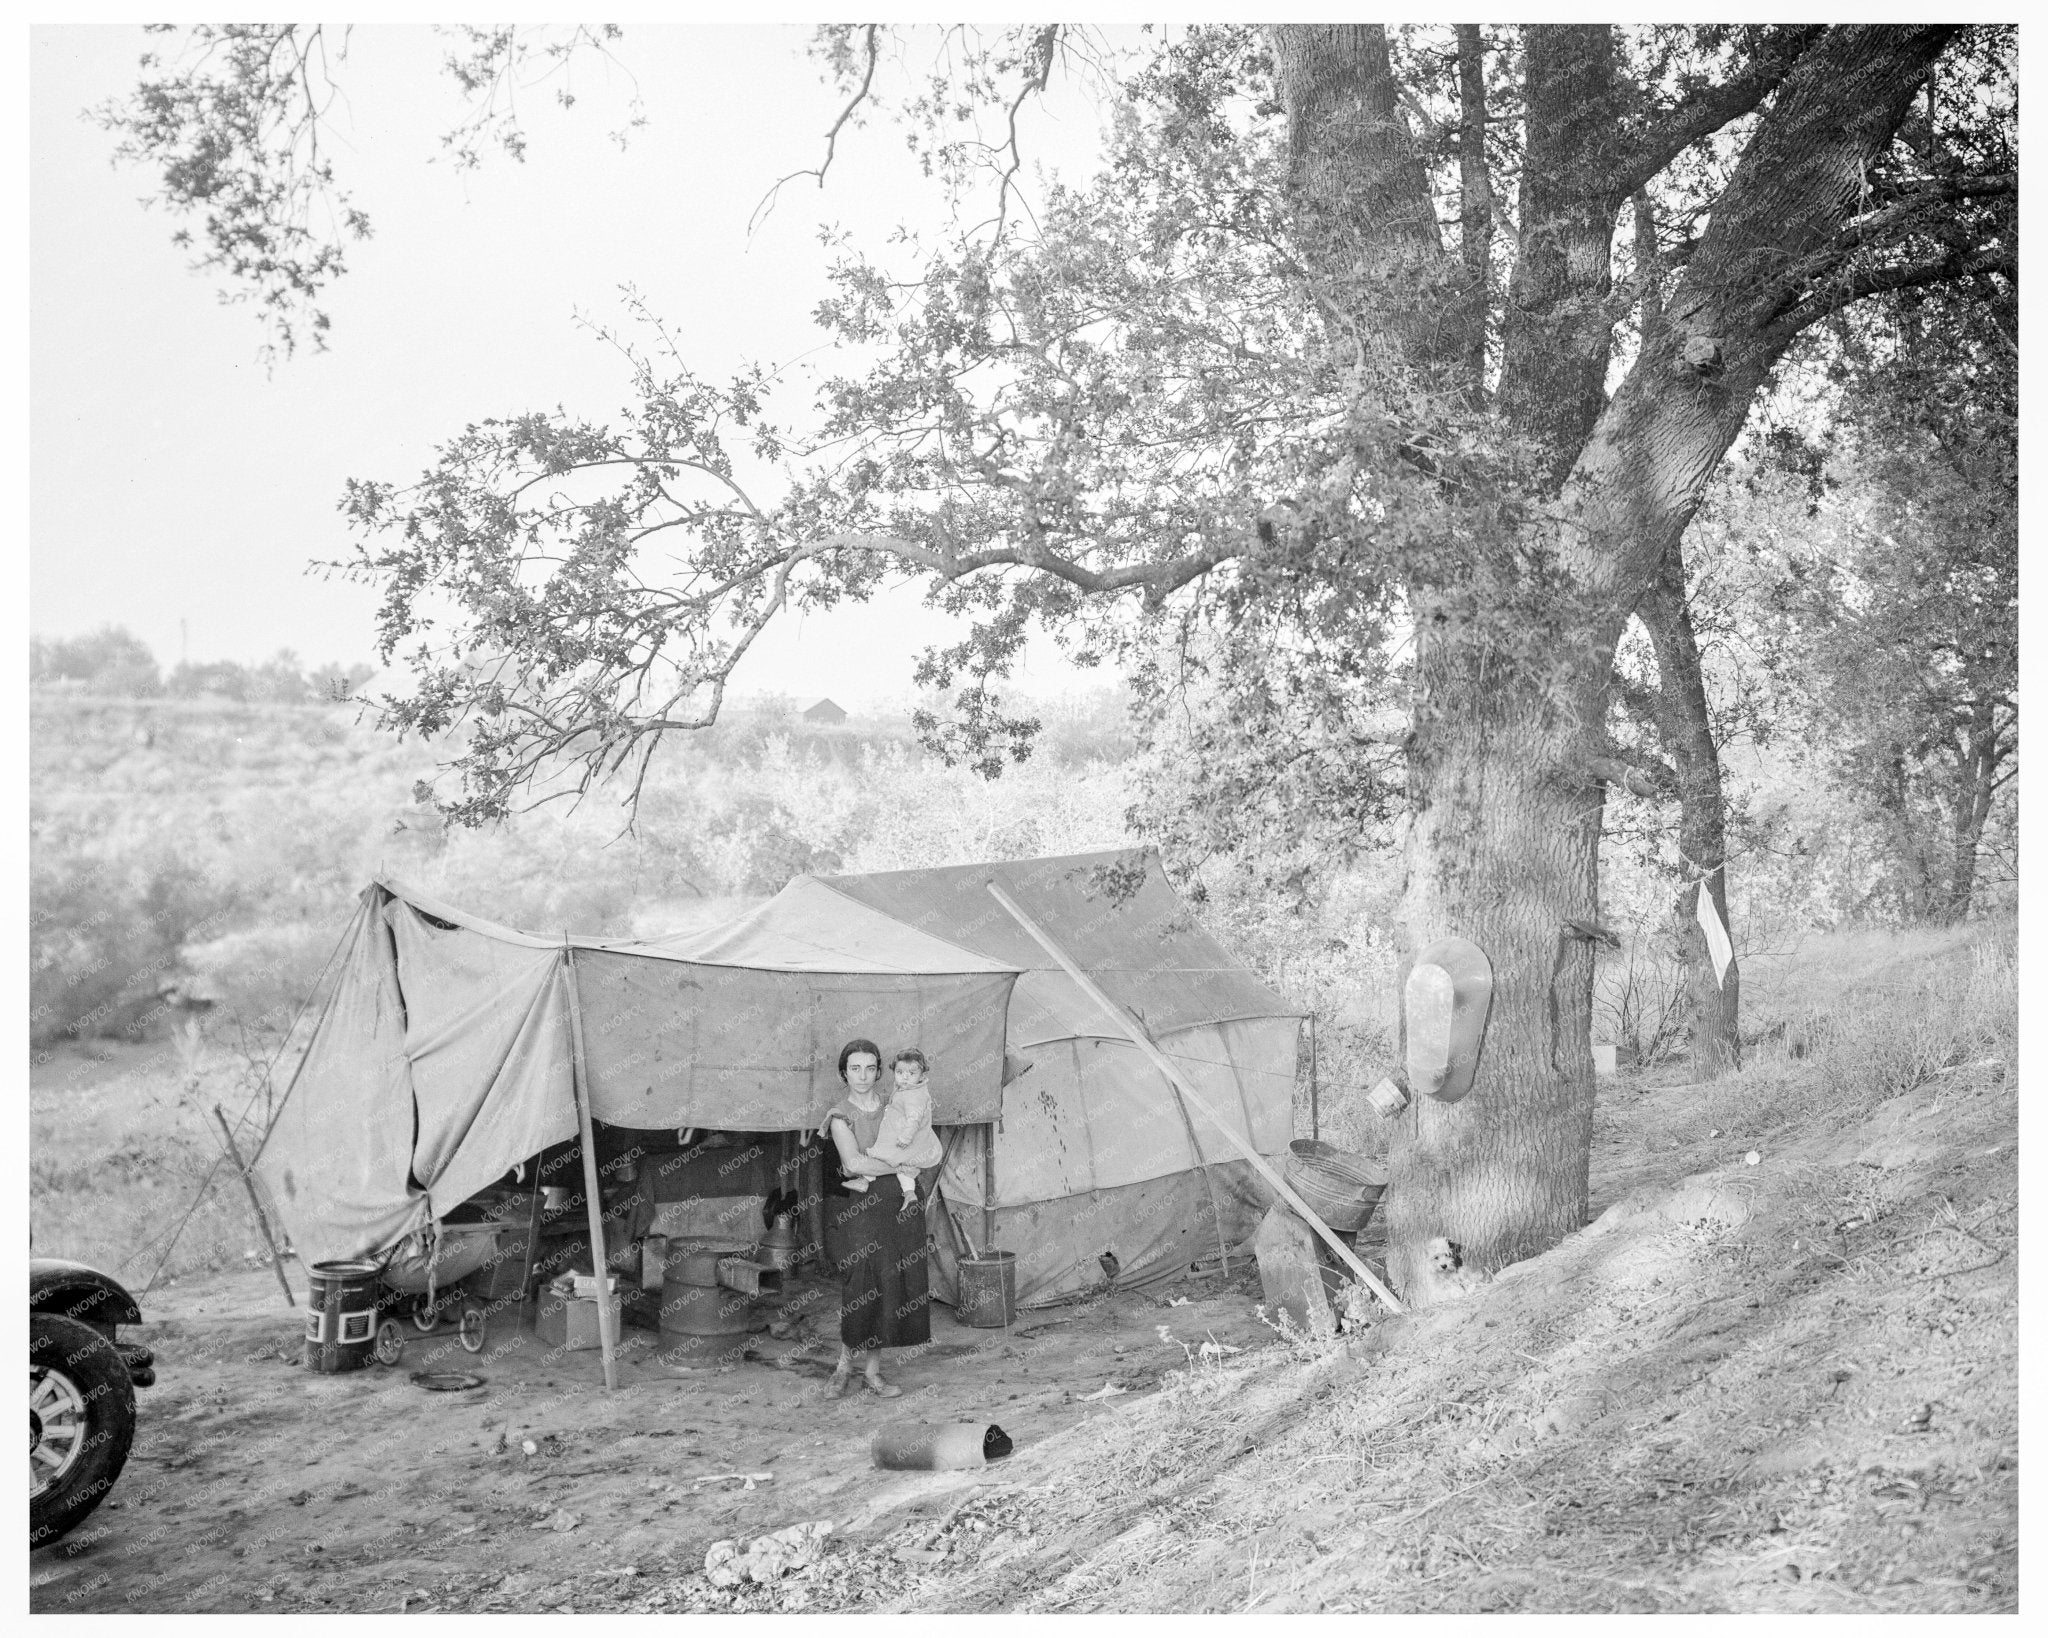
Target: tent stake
(605,1337)
(256,1205)
(1144,1043)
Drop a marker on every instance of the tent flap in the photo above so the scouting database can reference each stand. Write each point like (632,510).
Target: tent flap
(487,1035)
(1154,1230)
(676,1043)
(337,1158)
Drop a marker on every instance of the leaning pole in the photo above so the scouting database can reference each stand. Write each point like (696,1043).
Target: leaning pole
(1134,1032)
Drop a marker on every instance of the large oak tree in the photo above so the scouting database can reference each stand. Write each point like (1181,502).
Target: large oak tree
(1328,395)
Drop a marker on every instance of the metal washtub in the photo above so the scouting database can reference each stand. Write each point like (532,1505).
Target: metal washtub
(1338,1185)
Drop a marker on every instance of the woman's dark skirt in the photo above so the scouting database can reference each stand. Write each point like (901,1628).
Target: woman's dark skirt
(884,1298)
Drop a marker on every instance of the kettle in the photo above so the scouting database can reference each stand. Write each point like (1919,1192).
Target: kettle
(778,1245)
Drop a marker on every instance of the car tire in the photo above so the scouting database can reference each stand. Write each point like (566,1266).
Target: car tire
(81,1422)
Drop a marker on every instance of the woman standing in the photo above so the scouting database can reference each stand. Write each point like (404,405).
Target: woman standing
(875,1238)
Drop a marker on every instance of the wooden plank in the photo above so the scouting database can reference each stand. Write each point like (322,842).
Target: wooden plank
(1130,1028)
(607,1328)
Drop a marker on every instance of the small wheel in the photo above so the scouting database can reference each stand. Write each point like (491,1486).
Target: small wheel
(425,1315)
(471,1334)
(390,1345)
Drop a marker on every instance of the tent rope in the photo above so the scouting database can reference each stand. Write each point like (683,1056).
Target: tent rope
(213,1171)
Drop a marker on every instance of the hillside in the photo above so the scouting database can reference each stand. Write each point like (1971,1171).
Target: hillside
(1779,1371)
(227,838)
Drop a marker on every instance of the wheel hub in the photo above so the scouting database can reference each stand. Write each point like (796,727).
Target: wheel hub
(56,1429)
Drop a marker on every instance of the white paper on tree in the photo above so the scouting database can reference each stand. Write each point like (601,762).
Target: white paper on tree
(1718,946)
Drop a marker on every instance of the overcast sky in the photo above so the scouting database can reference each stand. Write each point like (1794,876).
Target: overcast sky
(180,489)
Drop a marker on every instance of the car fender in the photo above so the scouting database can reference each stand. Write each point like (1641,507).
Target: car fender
(57,1285)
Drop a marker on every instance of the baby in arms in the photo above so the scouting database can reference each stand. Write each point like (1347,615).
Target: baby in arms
(906,1140)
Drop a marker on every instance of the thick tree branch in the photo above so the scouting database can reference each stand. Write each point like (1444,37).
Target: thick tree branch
(1923,198)
(1635,773)
(1647,282)
(1707,110)
(1841,292)
(1156,580)
(1873,230)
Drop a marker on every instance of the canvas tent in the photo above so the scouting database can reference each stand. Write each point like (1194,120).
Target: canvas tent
(443,1057)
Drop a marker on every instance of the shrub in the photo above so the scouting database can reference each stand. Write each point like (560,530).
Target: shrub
(105,934)
(111,660)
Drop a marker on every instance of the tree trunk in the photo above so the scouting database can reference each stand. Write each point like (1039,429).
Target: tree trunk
(1687,736)
(1916,889)
(1557,336)
(1475,206)
(1362,202)
(1975,789)
(1502,849)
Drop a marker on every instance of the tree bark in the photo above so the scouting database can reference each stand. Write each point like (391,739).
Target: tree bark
(1687,734)
(1502,848)
(1556,337)
(1475,205)
(1361,200)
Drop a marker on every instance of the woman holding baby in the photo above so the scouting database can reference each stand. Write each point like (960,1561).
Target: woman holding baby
(874,1220)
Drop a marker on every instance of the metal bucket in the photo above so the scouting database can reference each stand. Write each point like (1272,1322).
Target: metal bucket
(988,1290)
(341,1316)
(1340,1187)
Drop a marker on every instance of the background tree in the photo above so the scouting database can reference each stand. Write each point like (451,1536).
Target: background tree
(112,660)
(1252,389)
(1902,587)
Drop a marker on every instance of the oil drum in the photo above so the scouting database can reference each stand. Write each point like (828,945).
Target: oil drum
(702,1322)
(341,1316)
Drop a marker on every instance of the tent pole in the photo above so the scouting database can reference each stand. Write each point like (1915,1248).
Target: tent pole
(591,1199)
(988,1190)
(1144,1043)
(256,1205)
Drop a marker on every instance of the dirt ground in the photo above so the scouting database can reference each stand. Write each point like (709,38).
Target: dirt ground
(256,1484)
